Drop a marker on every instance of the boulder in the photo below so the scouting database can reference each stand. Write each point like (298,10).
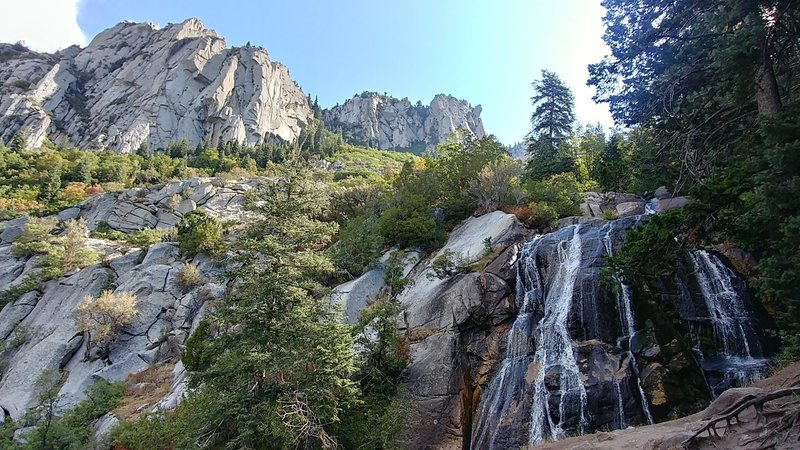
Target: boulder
(69,214)
(662,193)
(186,206)
(626,209)
(468,239)
(593,205)
(672,203)
(12,229)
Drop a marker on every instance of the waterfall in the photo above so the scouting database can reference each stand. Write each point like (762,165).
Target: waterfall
(506,386)
(725,306)
(739,357)
(554,350)
(566,369)
(523,375)
(620,407)
(626,318)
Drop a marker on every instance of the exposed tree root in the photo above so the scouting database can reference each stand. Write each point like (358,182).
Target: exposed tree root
(789,420)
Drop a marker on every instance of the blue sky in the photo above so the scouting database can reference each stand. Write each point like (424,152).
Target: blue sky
(487,52)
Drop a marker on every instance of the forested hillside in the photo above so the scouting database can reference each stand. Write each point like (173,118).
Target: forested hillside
(310,293)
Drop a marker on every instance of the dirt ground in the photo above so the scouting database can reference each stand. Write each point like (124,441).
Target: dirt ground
(778,427)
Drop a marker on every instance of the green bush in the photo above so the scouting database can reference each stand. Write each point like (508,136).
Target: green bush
(74,429)
(195,355)
(69,251)
(359,246)
(150,432)
(36,239)
(610,214)
(199,232)
(411,223)
(448,264)
(148,236)
(542,215)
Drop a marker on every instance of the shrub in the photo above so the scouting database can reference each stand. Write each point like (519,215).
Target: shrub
(74,192)
(542,215)
(36,239)
(76,254)
(359,246)
(74,429)
(189,277)
(195,354)
(494,184)
(103,317)
(411,223)
(199,232)
(147,236)
(395,273)
(149,432)
(69,251)
(448,264)
(609,214)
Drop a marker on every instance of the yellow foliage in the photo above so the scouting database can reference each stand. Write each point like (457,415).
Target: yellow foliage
(103,317)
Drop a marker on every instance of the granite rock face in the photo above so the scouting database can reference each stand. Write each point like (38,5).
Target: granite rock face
(138,83)
(38,327)
(388,123)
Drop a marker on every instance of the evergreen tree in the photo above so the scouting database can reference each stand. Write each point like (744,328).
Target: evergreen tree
(19,142)
(277,374)
(713,87)
(553,114)
(51,185)
(698,72)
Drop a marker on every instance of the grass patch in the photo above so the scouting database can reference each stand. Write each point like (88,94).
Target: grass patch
(143,390)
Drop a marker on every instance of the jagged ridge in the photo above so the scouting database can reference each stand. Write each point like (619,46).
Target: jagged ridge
(138,83)
(389,123)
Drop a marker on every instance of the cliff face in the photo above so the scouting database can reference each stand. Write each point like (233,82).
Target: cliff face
(138,83)
(389,123)
(38,328)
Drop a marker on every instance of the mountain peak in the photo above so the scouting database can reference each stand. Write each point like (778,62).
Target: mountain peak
(138,83)
(386,122)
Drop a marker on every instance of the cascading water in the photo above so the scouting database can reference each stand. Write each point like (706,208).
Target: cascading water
(626,317)
(569,368)
(521,382)
(554,350)
(738,355)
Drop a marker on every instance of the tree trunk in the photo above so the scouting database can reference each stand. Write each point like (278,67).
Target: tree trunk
(767,96)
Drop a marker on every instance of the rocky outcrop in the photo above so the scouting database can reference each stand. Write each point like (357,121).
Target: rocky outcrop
(454,326)
(489,349)
(388,123)
(137,83)
(162,207)
(38,326)
(42,333)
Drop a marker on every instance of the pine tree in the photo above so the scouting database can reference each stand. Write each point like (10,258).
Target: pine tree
(278,373)
(553,114)
(19,142)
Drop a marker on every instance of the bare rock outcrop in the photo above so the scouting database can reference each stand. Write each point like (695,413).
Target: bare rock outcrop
(38,326)
(138,83)
(388,123)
